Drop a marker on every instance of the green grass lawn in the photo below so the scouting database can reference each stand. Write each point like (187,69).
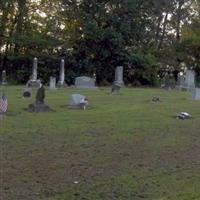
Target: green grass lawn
(123,148)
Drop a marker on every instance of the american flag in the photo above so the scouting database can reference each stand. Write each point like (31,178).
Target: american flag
(3,103)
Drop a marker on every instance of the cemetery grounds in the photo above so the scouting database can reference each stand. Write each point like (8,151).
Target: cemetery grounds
(122,148)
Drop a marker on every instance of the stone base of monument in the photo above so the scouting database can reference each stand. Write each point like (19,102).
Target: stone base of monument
(38,108)
(33,83)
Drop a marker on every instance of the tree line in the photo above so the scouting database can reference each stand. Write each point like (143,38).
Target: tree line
(147,37)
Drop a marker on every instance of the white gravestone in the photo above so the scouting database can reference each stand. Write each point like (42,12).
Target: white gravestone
(190,79)
(195,94)
(34,71)
(34,82)
(85,82)
(119,76)
(52,83)
(77,101)
(4,82)
(61,81)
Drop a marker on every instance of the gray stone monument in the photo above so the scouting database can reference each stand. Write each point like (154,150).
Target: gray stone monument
(4,82)
(119,76)
(52,83)
(75,102)
(195,94)
(181,79)
(85,82)
(34,82)
(39,105)
(61,82)
(190,79)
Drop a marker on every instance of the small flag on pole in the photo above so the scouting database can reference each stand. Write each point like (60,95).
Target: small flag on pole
(3,103)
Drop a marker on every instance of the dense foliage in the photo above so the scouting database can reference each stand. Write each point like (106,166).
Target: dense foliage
(95,36)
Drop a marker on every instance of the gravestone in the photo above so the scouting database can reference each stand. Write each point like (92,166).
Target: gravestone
(34,82)
(195,94)
(61,82)
(85,82)
(180,80)
(52,83)
(190,79)
(119,76)
(39,105)
(26,93)
(3,81)
(3,103)
(115,89)
(169,81)
(75,101)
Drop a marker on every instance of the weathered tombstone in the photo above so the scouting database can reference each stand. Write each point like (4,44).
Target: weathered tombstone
(76,101)
(169,81)
(190,79)
(61,82)
(52,83)
(26,93)
(180,79)
(115,89)
(34,82)
(119,76)
(3,103)
(85,82)
(4,82)
(195,94)
(39,105)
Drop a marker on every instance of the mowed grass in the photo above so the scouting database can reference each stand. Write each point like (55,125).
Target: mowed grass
(123,147)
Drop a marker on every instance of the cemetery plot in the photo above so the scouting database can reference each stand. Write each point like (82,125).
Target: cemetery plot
(125,148)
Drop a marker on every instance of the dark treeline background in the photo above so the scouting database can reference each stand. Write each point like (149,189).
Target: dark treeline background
(94,36)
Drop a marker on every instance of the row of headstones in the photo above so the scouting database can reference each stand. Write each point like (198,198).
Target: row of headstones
(80,82)
(34,81)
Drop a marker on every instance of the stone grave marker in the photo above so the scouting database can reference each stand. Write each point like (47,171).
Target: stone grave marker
(195,94)
(3,82)
(190,79)
(76,101)
(85,82)
(61,82)
(39,105)
(52,83)
(119,76)
(26,93)
(34,82)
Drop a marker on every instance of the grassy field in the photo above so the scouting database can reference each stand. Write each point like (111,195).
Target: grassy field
(123,148)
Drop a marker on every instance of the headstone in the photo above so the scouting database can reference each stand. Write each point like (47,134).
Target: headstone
(115,89)
(61,82)
(119,76)
(190,79)
(35,66)
(195,94)
(180,79)
(52,83)
(39,105)
(3,82)
(3,103)
(169,81)
(77,101)
(34,82)
(26,93)
(85,82)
